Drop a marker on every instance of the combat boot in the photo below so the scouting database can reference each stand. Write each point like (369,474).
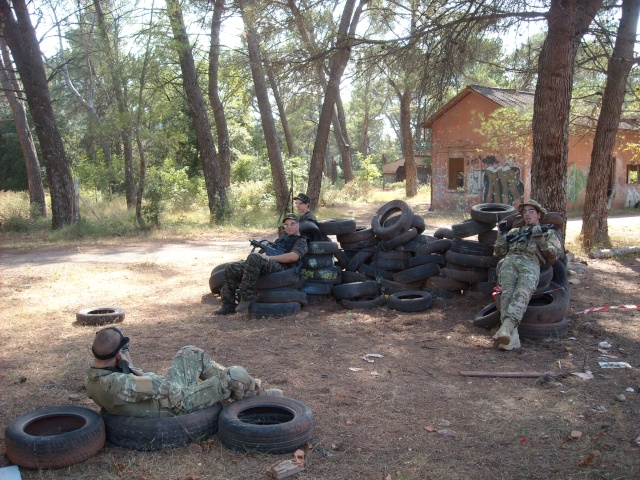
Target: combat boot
(243,306)
(227,309)
(513,343)
(504,334)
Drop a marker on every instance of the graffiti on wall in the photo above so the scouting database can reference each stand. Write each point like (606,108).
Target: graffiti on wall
(633,198)
(576,181)
(497,181)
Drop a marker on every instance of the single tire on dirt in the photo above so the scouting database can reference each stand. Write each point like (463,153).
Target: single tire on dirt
(398,227)
(368,288)
(171,431)
(282,295)
(273,310)
(364,303)
(100,315)
(265,424)
(540,331)
(410,301)
(491,212)
(337,226)
(488,317)
(54,437)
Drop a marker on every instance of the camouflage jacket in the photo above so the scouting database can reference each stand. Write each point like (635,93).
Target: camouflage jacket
(547,248)
(308,217)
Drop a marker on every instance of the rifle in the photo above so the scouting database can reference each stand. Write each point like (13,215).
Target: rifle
(516,237)
(267,247)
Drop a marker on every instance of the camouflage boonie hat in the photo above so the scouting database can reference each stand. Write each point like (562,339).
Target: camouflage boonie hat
(534,204)
(303,197)
(290,216)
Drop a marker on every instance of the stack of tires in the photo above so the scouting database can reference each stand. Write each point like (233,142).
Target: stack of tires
(545,316)
(319,271)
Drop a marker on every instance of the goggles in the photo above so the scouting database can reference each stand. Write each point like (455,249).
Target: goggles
(123,345)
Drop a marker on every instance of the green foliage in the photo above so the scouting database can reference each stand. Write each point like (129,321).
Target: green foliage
(507,129)
(367,170)
(356,191)
(251,195)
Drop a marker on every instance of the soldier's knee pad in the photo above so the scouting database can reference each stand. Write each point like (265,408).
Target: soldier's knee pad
(239,379)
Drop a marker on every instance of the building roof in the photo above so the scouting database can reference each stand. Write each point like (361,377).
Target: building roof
(503,97)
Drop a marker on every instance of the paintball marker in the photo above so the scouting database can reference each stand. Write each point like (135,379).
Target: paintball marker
(526,234)
(267,247)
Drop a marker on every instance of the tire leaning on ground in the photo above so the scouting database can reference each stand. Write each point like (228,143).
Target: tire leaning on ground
(488,317)
(54,437)
(100,315)
(150,434)
(265,424)
(410,301)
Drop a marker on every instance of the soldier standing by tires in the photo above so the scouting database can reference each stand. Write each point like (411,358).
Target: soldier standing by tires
(244,274)
(193,381)
(302,205)
(524,249)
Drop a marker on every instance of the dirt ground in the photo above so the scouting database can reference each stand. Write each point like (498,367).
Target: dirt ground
(409,415)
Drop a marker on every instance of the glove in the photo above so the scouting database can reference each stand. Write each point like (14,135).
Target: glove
(502,227)
(536,231)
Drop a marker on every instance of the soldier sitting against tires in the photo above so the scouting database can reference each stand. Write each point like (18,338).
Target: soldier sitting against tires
(193,381)
(524,249)
(244,273)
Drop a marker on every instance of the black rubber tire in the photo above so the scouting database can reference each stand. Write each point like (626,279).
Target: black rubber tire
(418,223)
(341,258)
(547,308)
(282,295)
(357,260)
(392,255)
(100,315)
(444,232)
(488,317)
(332,275)
(390,265)
(415,274)
(374,272)
(151,434)
(471,247)
(479,261)
(470,227)
(491,212)
(423,259)
(315,288)
(265,424)
(467,275)
(422,238)
(54,437)
(367,288)
(560,276)
(546,276)
(310,231)
(323,247)
(283,278)
(360,234)
(318,260)
(273,310)
(446,284)
(489,237)
(216,281)
(337,226)
(389,287)
(410,301)
(364,303)
(370,242)
(399,239)
(540,331)
(353,277)
(385,212)
(437,246)
(484,288)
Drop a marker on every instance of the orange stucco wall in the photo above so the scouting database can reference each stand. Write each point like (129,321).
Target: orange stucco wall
(505,176)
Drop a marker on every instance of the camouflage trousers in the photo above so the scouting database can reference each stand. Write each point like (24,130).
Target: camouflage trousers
(518,277)
(244,275)
(186,393)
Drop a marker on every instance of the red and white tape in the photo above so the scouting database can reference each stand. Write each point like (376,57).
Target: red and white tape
(610,307)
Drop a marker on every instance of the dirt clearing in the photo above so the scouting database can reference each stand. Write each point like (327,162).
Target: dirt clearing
(408,415)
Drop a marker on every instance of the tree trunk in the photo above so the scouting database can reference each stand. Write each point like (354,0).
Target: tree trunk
(411,171)
(567,22)
(216,190)
(21,38)
(224,151)
(37,202)
(595,231)
(344,144)
(338,64)
(291,147)
(124,120)
(248,9)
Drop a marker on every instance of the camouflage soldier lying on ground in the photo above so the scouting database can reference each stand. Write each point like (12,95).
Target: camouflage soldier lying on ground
(194,380)
(244,274)
(524,249)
